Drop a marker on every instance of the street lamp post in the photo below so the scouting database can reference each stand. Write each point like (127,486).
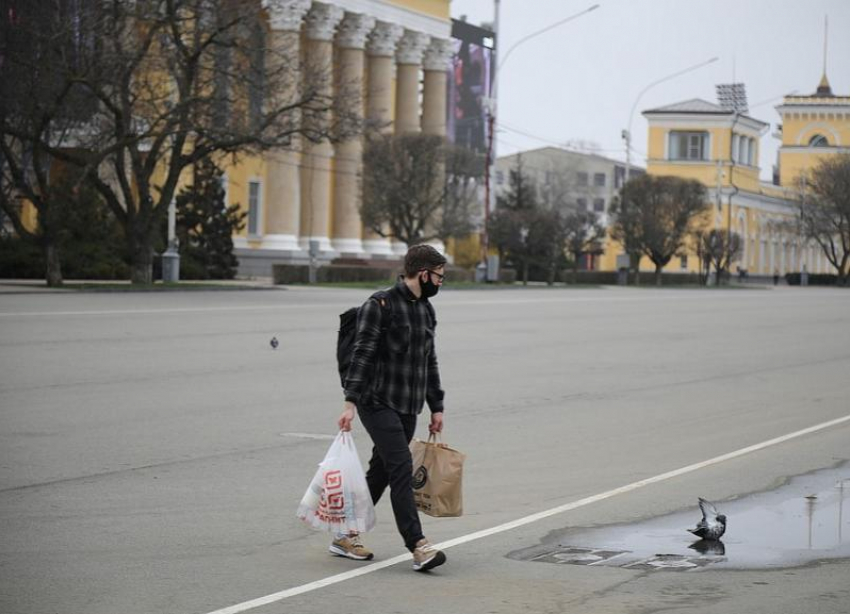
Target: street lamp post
(492,108)
(627,133)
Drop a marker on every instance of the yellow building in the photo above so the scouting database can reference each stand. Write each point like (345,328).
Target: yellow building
(720,147)
(812,127)
(399,50)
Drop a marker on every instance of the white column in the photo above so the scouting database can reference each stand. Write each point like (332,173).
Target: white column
(409,58)
(408,120)
(348,163)
(282,191)
(436,63)
(316,163)
(379,101)
(772,248)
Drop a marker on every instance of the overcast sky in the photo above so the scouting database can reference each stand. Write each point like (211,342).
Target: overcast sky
(578,82)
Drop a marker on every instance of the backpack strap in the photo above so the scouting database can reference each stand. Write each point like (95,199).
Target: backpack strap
(431,313)
(385,301)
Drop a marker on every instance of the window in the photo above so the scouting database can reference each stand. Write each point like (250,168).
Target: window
(221,85)
(599,180)
(599,205)
(224,182)
(581,203)
(683,263)
(500,177)
(688,146)
(818,140)
(581,178)
(254,205)
(619,176)
(257,72)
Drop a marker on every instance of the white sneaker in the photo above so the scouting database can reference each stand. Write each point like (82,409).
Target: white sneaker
(350,547)
(426,556)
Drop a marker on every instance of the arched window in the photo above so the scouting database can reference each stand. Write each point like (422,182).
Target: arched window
(818,140)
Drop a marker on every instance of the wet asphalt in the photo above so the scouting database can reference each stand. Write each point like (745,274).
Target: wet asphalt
(154,447)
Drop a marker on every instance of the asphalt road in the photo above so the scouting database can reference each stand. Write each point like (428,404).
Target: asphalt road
(153,447)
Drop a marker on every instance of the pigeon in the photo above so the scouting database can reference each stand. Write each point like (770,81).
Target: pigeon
(274,343)
(713,525)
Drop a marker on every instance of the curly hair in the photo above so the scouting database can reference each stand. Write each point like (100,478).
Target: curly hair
(420,257)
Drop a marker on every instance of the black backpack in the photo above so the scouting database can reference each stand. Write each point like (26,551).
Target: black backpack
(348,331)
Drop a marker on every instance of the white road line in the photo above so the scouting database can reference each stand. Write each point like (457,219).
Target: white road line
(318,436)
(134,312)
(520,522)
(447,304)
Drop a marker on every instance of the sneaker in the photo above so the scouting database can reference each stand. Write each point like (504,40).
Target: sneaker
(350,547)
(426,556)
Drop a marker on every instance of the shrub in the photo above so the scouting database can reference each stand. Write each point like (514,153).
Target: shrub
(815,279)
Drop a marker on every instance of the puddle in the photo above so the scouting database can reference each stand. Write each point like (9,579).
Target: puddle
(805,520)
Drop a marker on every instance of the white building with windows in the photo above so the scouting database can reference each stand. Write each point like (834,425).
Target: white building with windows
(565,179)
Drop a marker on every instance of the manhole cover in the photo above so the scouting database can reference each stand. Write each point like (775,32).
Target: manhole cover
(571,555)
(578,556)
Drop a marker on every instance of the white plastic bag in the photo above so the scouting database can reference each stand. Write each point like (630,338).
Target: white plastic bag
(338,498)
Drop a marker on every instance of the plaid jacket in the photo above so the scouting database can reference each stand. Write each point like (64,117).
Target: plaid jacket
(400,371)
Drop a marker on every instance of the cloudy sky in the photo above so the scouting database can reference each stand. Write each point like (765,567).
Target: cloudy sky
(579,81)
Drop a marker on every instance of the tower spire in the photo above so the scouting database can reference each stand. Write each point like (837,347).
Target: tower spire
(824,88)
(825,40)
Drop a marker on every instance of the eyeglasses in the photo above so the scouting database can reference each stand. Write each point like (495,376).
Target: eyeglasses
(440,276)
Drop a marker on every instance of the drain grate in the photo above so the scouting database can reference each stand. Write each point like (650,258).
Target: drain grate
(571,555)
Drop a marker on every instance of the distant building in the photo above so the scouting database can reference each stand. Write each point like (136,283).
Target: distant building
(568,180)
(719,146)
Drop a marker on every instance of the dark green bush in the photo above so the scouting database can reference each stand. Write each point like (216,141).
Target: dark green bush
(815,279)
(20,259)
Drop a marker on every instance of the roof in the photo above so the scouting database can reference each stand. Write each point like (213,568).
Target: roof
(694,105)
(564,150)
(698,106)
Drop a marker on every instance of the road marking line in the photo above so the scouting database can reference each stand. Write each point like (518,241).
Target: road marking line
(312,306)
(464,539)
(319,436)
(136,312)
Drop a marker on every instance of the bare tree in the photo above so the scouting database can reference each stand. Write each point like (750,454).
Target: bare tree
(141,91)
(716,248)
(626,229)
(583,234)
(417,187)
(655,215)
(39,109)
(826,215)
(702,250)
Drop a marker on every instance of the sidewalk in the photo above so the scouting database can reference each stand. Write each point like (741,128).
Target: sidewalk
(39,286)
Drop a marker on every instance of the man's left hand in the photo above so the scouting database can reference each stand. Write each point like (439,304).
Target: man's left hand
(436,425)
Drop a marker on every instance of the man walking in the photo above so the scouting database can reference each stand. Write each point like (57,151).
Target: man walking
(393,373)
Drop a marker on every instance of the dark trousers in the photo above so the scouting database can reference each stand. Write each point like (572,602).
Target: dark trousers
(391,465)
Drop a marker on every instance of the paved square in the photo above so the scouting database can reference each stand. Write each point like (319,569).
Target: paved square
(154,447)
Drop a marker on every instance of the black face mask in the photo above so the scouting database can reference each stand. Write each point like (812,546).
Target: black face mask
(429,288)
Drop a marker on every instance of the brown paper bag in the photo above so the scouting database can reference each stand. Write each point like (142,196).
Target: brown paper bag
(437,478)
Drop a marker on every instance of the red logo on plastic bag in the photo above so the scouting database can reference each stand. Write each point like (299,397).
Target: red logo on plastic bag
(332,503)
